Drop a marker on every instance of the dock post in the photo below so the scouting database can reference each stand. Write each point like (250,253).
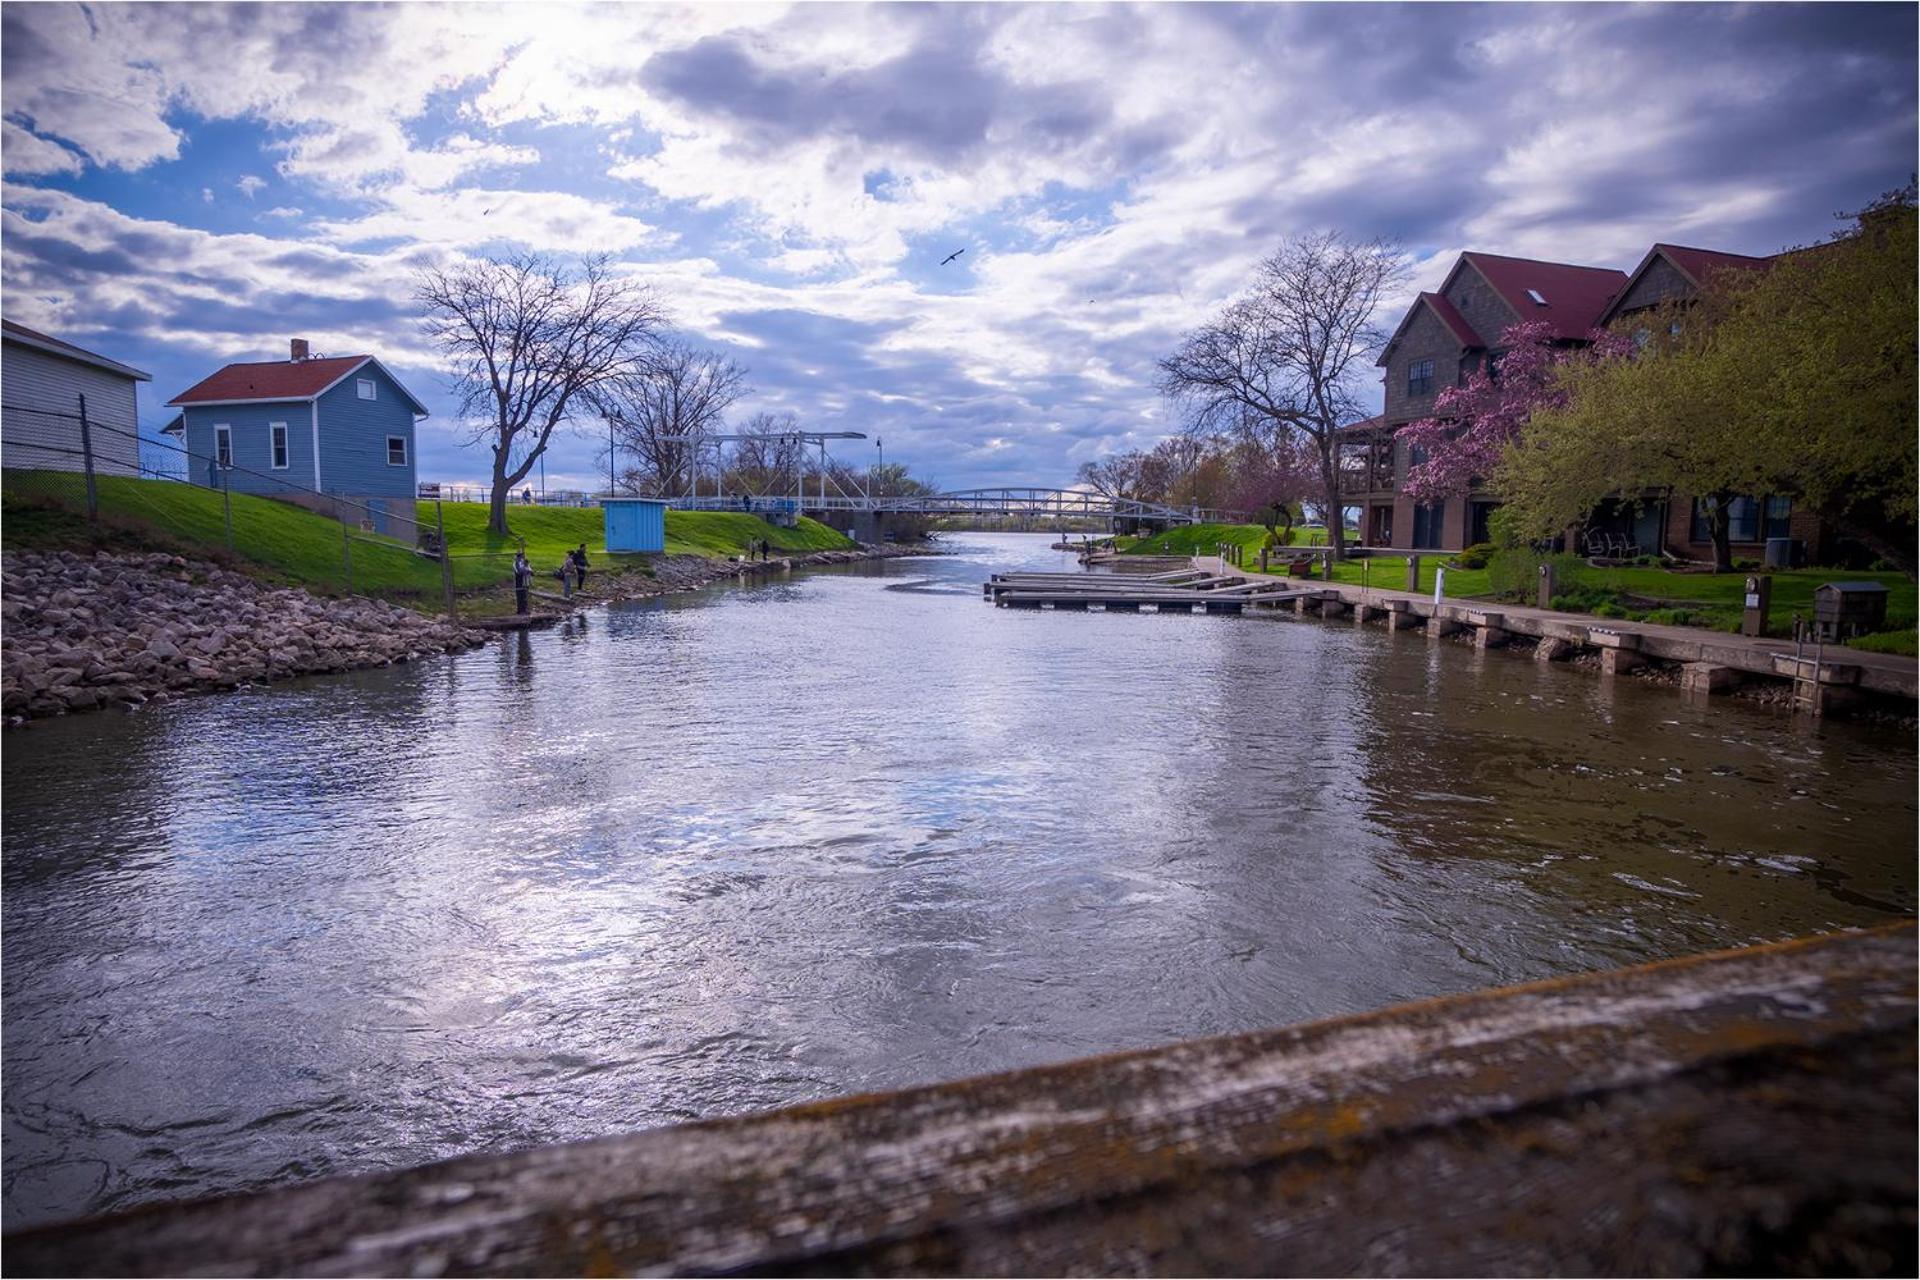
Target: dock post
(1413,573)
(1547,585)
(446,563)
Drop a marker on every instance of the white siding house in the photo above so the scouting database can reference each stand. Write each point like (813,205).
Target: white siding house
(41,382)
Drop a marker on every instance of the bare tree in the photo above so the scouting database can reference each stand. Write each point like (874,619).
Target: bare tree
(530,341)
(1292,350)
(1117,476)
(661,411)
(769,457)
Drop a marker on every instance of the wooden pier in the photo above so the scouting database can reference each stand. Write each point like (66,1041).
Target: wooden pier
(1181,590)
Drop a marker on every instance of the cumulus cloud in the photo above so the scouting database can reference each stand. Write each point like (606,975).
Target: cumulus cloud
(790,177)
(26,155)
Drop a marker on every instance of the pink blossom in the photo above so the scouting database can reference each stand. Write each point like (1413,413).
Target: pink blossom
(1475,422)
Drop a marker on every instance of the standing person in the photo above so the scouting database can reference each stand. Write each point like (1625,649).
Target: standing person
(522,581)
(565,574)
(580,564)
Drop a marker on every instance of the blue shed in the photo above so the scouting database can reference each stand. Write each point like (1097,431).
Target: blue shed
(635,524)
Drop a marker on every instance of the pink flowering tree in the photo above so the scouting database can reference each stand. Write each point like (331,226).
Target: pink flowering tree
(1269,478)
(1474,423)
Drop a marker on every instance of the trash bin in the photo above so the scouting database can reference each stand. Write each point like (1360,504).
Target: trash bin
(1786,553)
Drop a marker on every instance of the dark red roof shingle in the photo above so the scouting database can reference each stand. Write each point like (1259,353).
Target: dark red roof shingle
(1575,296)
(1451,317)
(1699,265)
(271,380)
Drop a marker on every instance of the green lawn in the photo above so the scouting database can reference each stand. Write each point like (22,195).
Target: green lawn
(294,545)
(551,532)
(1658,595)
(1204,539)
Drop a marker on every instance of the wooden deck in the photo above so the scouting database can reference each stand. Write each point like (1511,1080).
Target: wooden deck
(1190,590)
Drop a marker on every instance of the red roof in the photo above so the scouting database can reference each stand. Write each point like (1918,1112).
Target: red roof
(1699,264)
(1451,317)
(272,380)
(1575,296)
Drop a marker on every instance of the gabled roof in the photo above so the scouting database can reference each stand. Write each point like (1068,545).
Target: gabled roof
(1574,296)
(54,346)
(1364,425)
(1449,316)
(283,380)
(1697,265)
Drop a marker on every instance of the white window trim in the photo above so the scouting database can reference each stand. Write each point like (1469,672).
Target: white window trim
(284,446)
(223,431)
(406,452)
(366,388)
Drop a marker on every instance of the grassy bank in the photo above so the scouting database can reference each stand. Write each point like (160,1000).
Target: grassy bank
(285,543)
(1632,593)
(1205,539)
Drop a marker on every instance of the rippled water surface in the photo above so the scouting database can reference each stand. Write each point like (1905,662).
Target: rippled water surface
(851,831)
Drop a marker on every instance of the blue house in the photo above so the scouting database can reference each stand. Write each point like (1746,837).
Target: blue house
(332,433)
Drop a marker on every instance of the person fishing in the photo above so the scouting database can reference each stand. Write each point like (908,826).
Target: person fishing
(579,558)
(522,581)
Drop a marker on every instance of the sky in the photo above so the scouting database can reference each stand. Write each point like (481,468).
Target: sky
(187,185)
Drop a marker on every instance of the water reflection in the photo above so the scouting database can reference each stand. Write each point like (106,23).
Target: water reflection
(837,832)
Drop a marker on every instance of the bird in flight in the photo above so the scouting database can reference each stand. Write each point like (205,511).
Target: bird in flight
(950,257)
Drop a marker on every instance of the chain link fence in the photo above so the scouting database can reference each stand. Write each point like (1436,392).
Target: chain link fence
(56,465)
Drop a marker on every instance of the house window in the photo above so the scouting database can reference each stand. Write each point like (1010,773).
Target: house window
(1420,378)
(278,430)
(1743,520)
(396,451)
(1778,520)
(1416,454)
(1428,518)
(366,388)
(223,444)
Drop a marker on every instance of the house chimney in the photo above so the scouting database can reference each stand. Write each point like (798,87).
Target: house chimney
(299,349)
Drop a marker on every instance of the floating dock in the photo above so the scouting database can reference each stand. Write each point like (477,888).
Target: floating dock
(1183,590)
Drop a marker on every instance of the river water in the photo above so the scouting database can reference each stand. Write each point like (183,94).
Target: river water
(849,831)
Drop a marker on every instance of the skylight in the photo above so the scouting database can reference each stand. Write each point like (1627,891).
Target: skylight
(1535,295)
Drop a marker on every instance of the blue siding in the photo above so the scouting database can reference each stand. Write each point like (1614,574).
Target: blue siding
(353,438)
(252,445)
(353,442)
(635,524)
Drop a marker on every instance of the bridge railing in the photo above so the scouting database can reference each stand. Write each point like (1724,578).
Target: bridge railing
(1039,503)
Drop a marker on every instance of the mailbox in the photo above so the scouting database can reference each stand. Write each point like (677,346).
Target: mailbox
(1842,609)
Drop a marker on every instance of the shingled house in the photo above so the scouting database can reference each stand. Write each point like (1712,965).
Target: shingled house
(335,434)
(1447,334)
(1443,338)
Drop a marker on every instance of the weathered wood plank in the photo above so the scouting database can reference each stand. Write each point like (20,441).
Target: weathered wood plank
(1750,1111)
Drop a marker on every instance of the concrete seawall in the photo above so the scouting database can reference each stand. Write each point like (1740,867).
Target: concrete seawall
(1719,659)
(1750,1111)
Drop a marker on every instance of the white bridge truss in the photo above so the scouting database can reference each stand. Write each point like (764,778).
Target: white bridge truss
(1032,503)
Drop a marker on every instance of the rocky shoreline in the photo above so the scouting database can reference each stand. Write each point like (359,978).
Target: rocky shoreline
(123,630)
(85,632)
